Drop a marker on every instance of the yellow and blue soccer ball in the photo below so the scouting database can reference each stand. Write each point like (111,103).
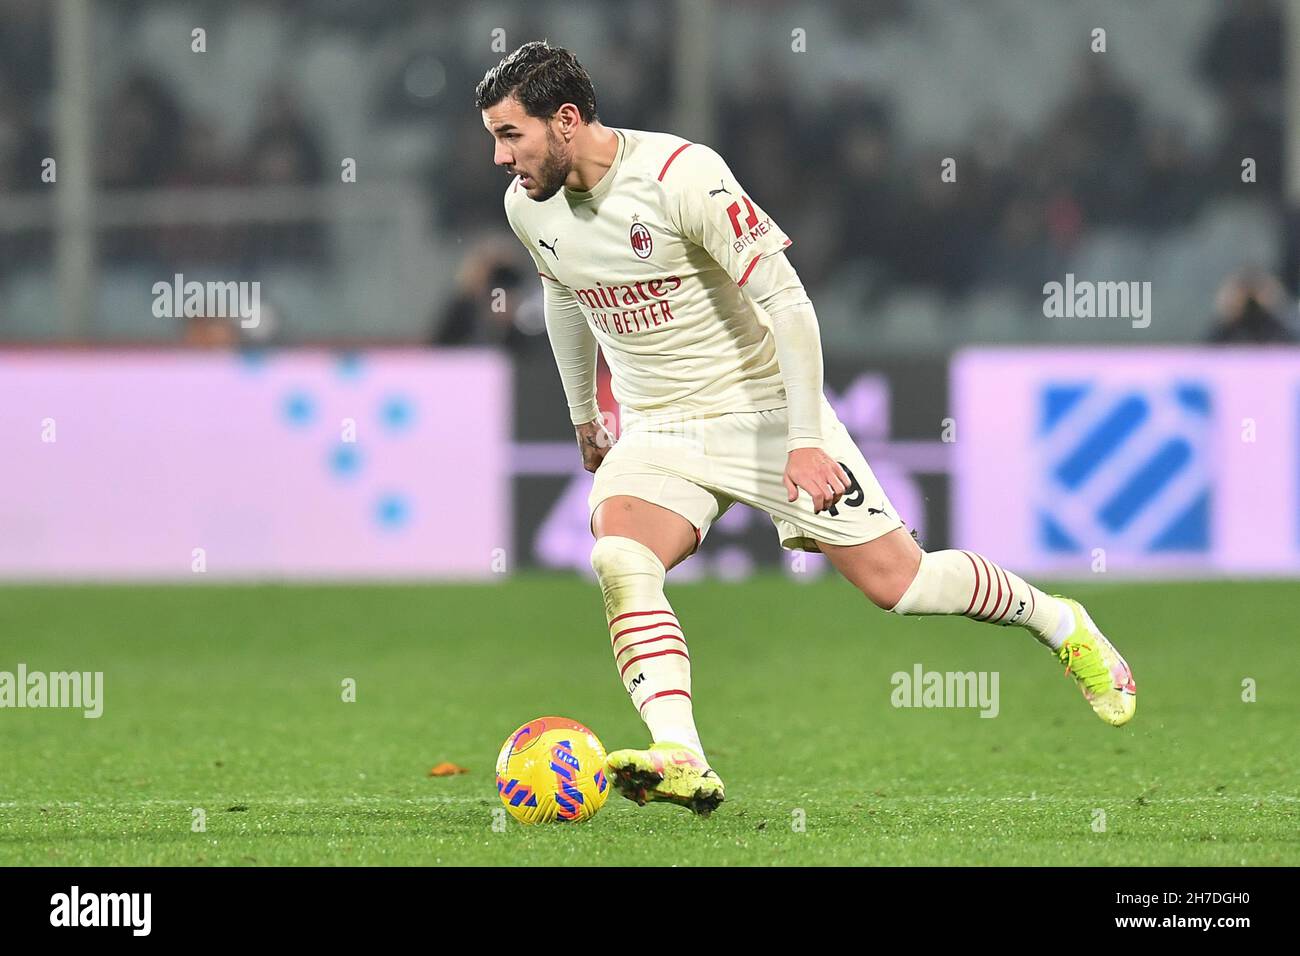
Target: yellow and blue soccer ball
(552,769)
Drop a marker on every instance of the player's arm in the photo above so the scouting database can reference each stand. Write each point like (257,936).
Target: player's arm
(712,209)
(774,285)
(574,348)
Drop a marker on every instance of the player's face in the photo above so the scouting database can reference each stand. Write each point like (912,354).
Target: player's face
(529,147)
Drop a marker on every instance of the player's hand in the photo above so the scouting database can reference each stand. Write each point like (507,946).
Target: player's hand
(816,473)
(595,441)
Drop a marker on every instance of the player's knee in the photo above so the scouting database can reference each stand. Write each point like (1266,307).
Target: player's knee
(912,584)
(882,569)
(888,589)
(614,556)
(884,582)
(887,581)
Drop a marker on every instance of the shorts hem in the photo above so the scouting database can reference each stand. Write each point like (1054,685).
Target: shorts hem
(806,542)
(591,518)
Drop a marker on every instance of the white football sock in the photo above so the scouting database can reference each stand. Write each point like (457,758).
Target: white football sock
(962,582)
(649,646)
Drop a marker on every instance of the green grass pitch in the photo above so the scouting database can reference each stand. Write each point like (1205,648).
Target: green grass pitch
(228,699)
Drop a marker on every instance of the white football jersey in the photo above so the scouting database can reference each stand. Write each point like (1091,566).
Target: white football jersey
(657,255)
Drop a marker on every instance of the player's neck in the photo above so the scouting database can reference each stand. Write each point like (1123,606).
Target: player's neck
(594,152)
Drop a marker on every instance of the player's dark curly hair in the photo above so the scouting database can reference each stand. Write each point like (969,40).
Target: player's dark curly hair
(542,78)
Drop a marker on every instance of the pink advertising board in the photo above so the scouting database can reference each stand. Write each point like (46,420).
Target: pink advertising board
(1137,462)
(306,465)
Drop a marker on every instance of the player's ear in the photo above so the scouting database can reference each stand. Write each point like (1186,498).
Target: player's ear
(567,119)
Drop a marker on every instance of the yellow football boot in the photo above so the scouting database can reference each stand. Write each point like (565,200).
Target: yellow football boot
(669,772)
(1101,673)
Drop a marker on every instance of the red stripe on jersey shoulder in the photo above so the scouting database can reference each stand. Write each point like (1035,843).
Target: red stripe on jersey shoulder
(545,276)
(677,152)
(753,262)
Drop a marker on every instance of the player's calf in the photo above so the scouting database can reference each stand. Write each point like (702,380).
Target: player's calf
(882,569)
(969,584)
(648,642)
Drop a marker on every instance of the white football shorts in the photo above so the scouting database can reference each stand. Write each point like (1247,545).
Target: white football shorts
(700,467)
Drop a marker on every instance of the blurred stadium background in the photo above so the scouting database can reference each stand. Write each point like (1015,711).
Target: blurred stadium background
(400,302)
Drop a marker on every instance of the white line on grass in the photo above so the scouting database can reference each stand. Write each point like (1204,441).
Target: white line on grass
(219,805)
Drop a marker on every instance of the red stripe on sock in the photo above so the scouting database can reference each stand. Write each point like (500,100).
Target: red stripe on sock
(1010,597)
(997,601)
(641,657)
(663,693)
(646,627)
(988,593)
(976,591)
(661,637)
(640,614)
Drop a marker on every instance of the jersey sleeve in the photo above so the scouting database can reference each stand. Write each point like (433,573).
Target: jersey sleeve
(775,286)
(713,210)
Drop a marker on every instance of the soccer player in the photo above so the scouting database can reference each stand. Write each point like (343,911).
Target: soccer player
(649,248)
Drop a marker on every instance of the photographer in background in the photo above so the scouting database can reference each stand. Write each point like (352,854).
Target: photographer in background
(1251,305)
(493,305)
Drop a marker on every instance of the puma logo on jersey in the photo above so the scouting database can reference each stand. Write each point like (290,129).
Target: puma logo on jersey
(721,189)
(550,247)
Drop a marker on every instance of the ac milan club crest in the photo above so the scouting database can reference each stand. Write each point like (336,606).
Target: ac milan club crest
(642,244)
